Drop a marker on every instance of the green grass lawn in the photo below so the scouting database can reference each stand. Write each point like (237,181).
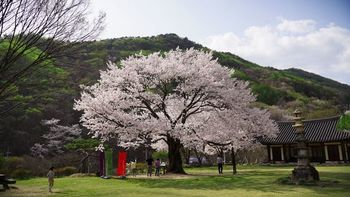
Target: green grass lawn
(250,181)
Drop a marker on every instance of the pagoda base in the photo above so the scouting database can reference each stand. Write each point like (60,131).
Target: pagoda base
(304,174)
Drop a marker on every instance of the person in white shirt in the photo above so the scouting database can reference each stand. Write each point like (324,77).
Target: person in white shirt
(50,176)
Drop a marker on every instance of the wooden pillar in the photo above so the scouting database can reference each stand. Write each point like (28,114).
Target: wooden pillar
(340,152)
(326,152)
(282,153)
(271,155)
(288,153)
(268,153)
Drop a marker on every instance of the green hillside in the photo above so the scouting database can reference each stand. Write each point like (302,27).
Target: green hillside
(50,92)
(285,88)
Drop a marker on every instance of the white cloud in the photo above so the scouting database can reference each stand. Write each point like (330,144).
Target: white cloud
(325,50)
(299,26)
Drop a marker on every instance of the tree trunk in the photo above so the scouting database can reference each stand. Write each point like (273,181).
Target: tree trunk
(146,153)
(233,156)
(174,155)
(83,164)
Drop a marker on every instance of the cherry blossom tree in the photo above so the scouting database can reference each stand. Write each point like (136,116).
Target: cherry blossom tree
(224,131)
(55,139)
(177,97)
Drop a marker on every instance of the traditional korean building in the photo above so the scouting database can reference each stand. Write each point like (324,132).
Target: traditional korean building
(326,144)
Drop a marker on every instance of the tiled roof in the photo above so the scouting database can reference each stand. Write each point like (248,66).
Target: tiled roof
(320,130)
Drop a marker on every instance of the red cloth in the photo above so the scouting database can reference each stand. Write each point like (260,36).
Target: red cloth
(121,170)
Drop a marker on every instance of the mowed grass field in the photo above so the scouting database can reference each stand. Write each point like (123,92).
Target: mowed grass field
(249,181)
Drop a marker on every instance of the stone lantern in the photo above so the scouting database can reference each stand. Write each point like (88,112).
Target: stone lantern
(303,172)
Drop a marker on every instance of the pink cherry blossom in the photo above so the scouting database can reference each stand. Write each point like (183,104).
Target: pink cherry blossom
(182,97)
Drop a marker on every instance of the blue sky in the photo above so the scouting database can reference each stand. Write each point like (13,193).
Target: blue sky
(313,35)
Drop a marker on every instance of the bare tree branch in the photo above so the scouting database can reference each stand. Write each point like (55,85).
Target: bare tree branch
(43,29)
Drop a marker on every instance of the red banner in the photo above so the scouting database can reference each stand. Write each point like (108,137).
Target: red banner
(121,170)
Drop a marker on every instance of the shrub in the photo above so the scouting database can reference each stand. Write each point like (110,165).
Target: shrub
(141,167)
(21,173)
(240,75)
(66,171)
(37,166)
(267,94)
(12,163)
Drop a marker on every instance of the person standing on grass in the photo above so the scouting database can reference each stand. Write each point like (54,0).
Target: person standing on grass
(157,164)
(133,168)
(220,163)
(150,166)
(163,165)
(50,176)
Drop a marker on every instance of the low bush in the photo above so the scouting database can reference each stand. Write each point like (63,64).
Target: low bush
(25,165)
(12,163)
(21,173)
(141,167)
(66,171)
(38,166)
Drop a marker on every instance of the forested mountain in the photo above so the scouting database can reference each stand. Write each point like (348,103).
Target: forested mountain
(50,91)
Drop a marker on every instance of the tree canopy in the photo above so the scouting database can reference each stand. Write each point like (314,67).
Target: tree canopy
(179,97)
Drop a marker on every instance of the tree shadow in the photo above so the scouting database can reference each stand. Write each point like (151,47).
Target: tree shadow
(262,181)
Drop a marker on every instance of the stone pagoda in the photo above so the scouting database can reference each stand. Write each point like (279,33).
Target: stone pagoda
(303,172)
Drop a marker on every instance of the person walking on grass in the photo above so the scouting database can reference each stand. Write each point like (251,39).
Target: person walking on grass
(157,164)
(50,176)
(220,163)
(150,166)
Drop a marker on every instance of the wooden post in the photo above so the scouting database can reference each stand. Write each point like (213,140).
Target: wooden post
(271,154)
(326,152)
(340,152)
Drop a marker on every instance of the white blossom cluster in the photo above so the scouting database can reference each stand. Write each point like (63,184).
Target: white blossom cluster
(55,139)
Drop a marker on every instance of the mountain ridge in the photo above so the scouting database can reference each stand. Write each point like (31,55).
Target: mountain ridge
(287,85)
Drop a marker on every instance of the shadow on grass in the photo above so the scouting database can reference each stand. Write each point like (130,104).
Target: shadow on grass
(340,176)
(250,181)
(263,181)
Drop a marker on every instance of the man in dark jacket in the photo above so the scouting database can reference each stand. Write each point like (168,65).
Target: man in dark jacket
(150,166)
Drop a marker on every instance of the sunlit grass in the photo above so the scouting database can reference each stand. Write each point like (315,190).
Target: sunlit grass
(249,181)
